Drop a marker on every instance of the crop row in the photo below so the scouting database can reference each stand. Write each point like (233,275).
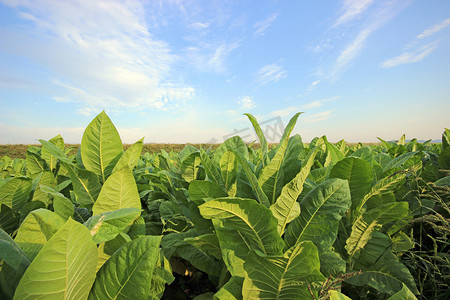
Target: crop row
(299,221)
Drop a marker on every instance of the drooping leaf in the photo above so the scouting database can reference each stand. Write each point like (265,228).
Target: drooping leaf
(403,294)
(242,225)
(101,146)
(119,191)
(108,225)
(64,268)
(235,143)
(35,163)
(283,277)
(189,166)
(232,290)
(51,160)
(321,211)
(132,279)
(131,157)
(61,205)
(85,185)
(286,208)
(270,178)
(211,169)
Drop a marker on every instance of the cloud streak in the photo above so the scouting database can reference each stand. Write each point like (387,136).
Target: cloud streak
(262,26)
(434,29)
(351,10)
(270,73)
(410,57)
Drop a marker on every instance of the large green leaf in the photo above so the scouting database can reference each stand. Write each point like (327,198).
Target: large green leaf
(61,205)
(200,190)
(270,178)
(119,191)
(232,290)
(234,142)
(128,273)
(189,166)
(359,174)
(370,221)
(283,277)
(286,208)
(108,225)
(15,193)
(242,225)
(51,160)
(321,211)
(11,253)
(131,157)
(403,294)
(85,185)
(101,146)
(37,228)
(228,168)
(64,268)
(35,163)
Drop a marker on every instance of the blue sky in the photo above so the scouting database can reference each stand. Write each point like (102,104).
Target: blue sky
(186,71)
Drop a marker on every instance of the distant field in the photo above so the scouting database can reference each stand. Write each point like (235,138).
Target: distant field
(19,150)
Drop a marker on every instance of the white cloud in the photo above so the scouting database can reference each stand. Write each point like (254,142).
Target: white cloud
(319,103)
(270,73)
(434,29)
(101,53)
(322,116)
(288,111)
(199,25)
(262,26)
(351,10)
(247,103)
(217,60)
(410,57)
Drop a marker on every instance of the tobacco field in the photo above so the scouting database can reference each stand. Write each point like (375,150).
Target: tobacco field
(298,220)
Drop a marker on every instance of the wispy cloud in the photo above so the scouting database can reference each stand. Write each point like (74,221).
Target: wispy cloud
(434,29)
(352,9)
(319,103)
(322,116)
(247,103)
(199,25)
(262,26)
(217,60)
(270,73)
(100,53)
(410,57)
(380,15)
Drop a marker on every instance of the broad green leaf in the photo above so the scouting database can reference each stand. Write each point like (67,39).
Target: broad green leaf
(102,256)
(252,180)
(189,166)
(131,157)
(242,225)
(321,211)
(85,185)
(234,142)
(128,273)
(64,268)
(162,275)
(9,221)
(35,163)
(334,155)
(331,263)
(271,175)
(286,208)
(101,146)
(51,160)
(200,258)
(232,290)
(359,174)
(118,191)
(228,168)
(108,225)
(15,193)
(200,190)
(387,275)
(207,243)
(211,169)
(383,185)
(444,159)
(262,139)
(370,221)
(11,253)
(403,294)
(37,228)
(283,277)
